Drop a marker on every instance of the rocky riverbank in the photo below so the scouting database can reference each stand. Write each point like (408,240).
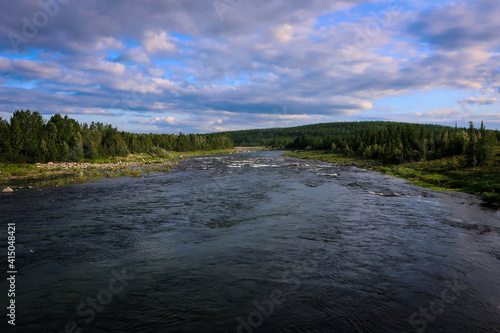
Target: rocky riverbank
(34,176)
(101,166)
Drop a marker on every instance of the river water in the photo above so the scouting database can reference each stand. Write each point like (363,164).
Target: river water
(253,242)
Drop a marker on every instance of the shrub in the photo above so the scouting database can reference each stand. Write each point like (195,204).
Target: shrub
(159,152)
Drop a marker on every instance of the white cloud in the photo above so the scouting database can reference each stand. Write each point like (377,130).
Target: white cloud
(158,41)
(440,114)
(284,33)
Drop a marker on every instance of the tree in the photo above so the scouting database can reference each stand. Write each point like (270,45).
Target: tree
(51,131)
(76,153)
(43,151)
(484,146)
(471,151)
(16,140)
(63,152)
(5,141)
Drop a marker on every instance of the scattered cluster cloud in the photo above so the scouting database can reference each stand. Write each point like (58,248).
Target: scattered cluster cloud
(186,66)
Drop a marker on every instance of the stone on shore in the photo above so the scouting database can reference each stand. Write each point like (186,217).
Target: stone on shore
(7,190)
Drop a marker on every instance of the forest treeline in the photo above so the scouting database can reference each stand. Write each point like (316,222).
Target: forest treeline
(391,142)
(28,137)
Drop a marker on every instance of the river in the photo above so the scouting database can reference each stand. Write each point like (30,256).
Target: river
(253,242)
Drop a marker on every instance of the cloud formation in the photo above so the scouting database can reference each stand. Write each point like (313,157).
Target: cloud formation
(478,101)
(196,66)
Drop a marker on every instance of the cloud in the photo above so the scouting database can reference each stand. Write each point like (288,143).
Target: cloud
(284,33)
(135,54)
(441,114)
(265,62)
(157,42)
(459,25)
(169,120)
(478,101)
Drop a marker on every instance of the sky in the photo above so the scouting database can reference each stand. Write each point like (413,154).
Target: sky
(198,66)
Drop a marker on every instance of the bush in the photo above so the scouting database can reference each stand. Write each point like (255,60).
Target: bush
(159,152)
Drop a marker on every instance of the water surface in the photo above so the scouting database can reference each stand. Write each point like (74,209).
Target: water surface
(250,242)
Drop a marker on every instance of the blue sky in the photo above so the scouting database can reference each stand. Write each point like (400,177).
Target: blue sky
(204,66)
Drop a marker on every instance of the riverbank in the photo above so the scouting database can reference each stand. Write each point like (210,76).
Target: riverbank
(34,176)
(446,174)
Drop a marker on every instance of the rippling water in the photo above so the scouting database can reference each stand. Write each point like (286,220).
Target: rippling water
(253,243)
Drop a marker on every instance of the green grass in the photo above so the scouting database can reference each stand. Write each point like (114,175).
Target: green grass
(443,175)
(326,156)
(204,152)
(9,171)
(447,174)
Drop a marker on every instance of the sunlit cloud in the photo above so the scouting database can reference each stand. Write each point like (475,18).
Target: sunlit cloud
(260,64)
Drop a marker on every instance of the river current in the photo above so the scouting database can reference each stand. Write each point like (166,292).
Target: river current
(252,242)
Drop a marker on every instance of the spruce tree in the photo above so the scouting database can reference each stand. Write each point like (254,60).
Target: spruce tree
(484,151)
(471,150)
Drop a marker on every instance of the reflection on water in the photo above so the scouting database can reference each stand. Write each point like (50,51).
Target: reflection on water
(254,242)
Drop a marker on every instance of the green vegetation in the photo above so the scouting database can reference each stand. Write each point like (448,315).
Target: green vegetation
(99,150)
(29,138)
(453,173)
(328,156)
(389,142)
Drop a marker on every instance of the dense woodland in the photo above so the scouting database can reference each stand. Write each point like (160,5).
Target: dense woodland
(390,142)
(28,137)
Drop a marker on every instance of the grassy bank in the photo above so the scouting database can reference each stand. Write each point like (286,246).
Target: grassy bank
(326,156)
(33,176)
(447,174)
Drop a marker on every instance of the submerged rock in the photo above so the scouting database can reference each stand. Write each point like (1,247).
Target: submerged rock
(7,190)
